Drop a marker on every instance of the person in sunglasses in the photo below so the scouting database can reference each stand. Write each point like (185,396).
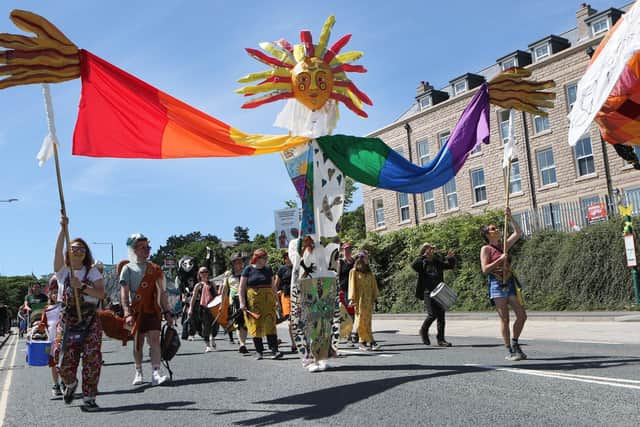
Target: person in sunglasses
(78,338)
(144,299)
(496,265)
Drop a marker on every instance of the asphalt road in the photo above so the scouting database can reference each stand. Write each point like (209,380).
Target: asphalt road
(565,382)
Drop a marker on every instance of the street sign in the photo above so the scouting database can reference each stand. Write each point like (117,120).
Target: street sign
(169,263)
(630,250)
(596,212)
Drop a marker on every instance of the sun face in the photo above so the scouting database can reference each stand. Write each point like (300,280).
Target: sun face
(312,74)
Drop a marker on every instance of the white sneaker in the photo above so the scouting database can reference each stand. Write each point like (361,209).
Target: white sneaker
(191,338)
(157,379)
(314,367)
(208,349)
(137,380)
(322,365)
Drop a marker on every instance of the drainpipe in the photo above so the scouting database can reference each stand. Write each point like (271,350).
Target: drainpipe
(407,127)
(532,183)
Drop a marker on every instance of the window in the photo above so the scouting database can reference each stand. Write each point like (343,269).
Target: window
(479,187)
(443,138)
(636,150)
(509,63)
(572,92)
(459,87)
(541,51)
(503,124)
(600,26)
(515,180)
(584,157)
(632,197)
(423,153)
(403,206)
(378,212)
(425,102)
(547,167)
(540,124)
(551,216)
(428,203)
(451,194)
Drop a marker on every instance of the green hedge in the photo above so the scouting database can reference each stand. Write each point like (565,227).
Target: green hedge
(583,270)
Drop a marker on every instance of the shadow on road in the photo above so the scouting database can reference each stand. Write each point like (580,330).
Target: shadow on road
(174,383)
(605,362)
(164,406)
(323,403)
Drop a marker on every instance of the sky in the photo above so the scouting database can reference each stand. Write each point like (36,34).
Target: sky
(194,50)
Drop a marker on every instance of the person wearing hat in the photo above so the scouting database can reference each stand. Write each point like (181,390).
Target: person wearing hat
(231,284)
(144,300)
(430,267)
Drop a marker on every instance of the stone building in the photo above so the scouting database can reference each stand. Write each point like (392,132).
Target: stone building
(552,184)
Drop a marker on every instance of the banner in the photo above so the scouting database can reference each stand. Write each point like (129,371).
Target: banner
(287,223)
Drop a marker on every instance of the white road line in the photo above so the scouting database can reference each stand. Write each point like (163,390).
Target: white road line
(593,342)
(7,381)
(613,382)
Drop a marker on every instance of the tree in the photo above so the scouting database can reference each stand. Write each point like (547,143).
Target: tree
(350,188)
(241,234)
(352,225)
(291,204)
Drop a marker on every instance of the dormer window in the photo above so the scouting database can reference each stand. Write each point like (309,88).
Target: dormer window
(459,87)
(425,102)
(600,26)
(509,63)
(541,51)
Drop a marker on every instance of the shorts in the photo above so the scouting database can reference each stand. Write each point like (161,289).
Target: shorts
(149,322)
(498,290)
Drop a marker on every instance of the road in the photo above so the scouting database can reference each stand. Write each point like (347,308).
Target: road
(578,373)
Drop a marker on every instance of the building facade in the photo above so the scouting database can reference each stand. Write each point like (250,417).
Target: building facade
(552,185)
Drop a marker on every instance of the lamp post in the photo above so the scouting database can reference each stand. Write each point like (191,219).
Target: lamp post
(9,200)
(106,243)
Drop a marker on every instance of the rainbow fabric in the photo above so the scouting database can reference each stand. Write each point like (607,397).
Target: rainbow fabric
(122,116)
(372,162)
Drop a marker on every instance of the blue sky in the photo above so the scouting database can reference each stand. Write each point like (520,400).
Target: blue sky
(194,50)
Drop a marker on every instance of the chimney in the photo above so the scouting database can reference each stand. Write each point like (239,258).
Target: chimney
(584,30)
(423,87)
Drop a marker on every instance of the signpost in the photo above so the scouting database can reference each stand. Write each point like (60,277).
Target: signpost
(630,248)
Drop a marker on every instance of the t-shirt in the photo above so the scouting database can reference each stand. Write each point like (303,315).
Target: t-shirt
(62,275)
(132,275)
(233,282)
(36,302)
(257,276)
(284,273)
(343,274)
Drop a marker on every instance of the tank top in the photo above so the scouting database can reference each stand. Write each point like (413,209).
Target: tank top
(496,252)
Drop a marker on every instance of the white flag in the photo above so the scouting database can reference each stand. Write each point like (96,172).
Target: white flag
(603,73)
(510,147)
(46,149)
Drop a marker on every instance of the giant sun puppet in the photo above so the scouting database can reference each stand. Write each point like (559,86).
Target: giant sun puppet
(312,78)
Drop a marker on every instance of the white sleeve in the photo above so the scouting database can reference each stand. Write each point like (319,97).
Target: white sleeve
(94,274)
(61,276)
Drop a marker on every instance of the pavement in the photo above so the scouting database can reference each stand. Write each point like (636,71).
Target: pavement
(606,327)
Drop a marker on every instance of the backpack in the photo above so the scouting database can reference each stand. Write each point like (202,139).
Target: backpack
(169,345)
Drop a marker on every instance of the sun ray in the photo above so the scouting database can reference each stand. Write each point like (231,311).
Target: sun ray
(277,52)
(335,49)
(347,102)
(347,57)
(346,92)
(325,33)
(262,88)
(353,88)
(307,41)
(267,99)
(255,53)
(350,68)
(280,72)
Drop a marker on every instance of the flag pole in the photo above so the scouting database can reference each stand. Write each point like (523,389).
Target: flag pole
(52,134)
(505,234)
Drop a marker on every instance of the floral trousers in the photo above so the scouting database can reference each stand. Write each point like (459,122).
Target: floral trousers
(89,350)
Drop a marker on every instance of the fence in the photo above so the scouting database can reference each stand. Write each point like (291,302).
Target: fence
(572,216)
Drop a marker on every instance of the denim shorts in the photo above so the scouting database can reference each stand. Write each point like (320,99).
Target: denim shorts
(497,290)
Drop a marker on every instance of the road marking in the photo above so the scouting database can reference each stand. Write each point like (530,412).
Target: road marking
(592,342)
(614,382)
(7,381)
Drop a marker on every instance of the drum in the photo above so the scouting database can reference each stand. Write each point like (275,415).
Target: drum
(219,308)
(444,295)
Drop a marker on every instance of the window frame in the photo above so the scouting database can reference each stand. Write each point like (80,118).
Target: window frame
(453,194)
(568,97)
(537,57)
(547,168)
(403,208)
(431,201)
(537,131)
(514,163)
(378,210)
(584,157)
(421,155)
(477,186)
(455,87)
(605,20)
(423,105)
(503,120)
(513,60)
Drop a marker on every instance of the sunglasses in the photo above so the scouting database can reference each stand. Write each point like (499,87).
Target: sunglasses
(80,249)
(144,247)
(204,272)
(492,229)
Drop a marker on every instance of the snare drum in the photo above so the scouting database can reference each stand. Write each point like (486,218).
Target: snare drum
(444,295)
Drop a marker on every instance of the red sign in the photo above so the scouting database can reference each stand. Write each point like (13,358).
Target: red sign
(596,212)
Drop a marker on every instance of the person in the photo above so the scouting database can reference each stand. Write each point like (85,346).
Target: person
(363,291)
(144,300)
(78,337)
(207,293)
(283,285)
(258,299)
(430,267)
(231,284)
(50,317)
(345,264)
(283,242)
(35,301)
(502,284)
